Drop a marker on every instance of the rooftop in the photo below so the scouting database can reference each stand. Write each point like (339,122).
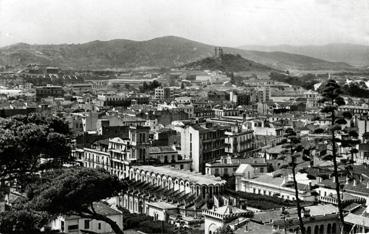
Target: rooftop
(161,149)
(100,208)
(162,205)
(183,174)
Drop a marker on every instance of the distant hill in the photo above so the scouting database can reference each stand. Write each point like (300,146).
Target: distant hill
(227,63)
(356,55)
(159,52)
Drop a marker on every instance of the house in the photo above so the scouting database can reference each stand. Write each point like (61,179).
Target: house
(73,224)
(229,166)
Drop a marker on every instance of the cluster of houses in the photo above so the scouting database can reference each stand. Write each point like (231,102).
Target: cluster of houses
(179,146)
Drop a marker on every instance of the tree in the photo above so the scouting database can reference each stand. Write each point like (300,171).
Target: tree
(32,143)
(73,192)
(293,144)
(332,99)
(127,86)
(22,221)
(226,229)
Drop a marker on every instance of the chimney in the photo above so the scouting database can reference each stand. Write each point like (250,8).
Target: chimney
(354,184)
(347,180)
(334,179)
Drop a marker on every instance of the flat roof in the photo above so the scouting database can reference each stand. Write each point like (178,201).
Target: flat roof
(194,177)
(162,205)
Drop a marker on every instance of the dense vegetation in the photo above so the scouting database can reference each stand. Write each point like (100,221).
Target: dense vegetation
(354,89)
(227,63)
(306,81)
(149,86)
(33,151)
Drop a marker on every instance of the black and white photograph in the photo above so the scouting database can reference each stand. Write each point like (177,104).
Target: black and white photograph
(184,116)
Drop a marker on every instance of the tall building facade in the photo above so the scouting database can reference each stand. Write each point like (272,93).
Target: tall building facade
(162,93)
(202,145)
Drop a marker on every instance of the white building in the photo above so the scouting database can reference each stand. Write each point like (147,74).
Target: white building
(217,218)
(201,145)
(269,185)
(169,156)
(77,225)
(240,141)
(229,166)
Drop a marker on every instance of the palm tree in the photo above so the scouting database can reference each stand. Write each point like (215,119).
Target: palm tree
(293,144)
(331,100)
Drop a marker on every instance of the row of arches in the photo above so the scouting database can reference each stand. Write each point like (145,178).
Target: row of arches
(179,184)
(322,229)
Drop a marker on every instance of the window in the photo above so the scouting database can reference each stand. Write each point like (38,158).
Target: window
(87,224)
(73,227)
(261,169)
(62,226)
(99,226)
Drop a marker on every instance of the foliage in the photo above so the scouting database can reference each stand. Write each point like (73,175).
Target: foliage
(149,86)
(227,63)
(331,93)
(356,90)
(224,230)
(293,142)
(25,140)
(22,221)
(306,81)
(73,192)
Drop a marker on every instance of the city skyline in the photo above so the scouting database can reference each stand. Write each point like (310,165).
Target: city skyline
(223,23)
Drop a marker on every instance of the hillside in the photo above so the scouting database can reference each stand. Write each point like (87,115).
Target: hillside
(159,52)
(227,63)
(356,55)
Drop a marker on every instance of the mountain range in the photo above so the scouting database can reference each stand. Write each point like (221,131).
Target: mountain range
(169,51)
(356,55)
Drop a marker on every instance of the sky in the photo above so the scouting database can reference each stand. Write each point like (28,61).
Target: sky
(217,22)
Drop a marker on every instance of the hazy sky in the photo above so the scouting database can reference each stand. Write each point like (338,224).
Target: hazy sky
(218,22)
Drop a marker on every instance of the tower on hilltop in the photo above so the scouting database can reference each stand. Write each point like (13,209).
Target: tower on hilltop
(218,52)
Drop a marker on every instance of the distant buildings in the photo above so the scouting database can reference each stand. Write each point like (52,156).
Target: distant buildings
(49,91)
(162,93)
(240,98)
(263,94)
(228,166)
(240,141)
(202,145)
(268,185)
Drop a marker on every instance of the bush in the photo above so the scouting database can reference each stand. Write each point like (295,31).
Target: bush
(135,220)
